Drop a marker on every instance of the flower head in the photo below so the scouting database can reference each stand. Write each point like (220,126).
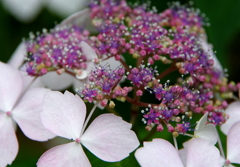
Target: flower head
(108,137)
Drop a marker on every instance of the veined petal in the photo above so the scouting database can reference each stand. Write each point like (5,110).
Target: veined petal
(66,155)
(110,138)
(158,153)
(233,144)
(8,140)
(208,132)
(11,86)
(27,115)
(63,114)
(24,10)
(200,153)
(57,82)
(233,110)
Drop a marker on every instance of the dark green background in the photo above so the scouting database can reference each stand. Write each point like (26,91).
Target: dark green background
(224,34)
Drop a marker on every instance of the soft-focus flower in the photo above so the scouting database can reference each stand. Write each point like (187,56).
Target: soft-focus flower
(233,145)
(27,10)
(108,136)
(20,107)
(233,111)
(207,132)
(161,153)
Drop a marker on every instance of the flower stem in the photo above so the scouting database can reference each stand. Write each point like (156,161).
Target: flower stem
(175,143)
(89,116)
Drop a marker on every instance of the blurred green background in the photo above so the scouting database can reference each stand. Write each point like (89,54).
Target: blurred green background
(224,34)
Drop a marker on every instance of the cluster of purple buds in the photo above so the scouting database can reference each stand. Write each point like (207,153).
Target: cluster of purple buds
(59,50)
(103,84)
(173,38)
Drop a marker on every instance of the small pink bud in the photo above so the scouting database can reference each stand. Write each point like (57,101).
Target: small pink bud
(139,93)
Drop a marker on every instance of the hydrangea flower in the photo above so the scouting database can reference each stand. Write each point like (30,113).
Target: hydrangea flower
(17,106)
(233,145)
(207,132)
(233,112)
(161,153)
(108,136)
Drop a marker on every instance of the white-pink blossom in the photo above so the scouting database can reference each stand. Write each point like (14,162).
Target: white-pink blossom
(160,153)
(19,107)
(108,136)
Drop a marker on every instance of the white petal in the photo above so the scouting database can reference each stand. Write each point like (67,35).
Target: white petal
(201,123)
(18,56)
(183,155)
(23,10)
(110,138)
(81,19)
(11,86)
(8,140)
(233,110)
(233,143)
(208,132)
(200,153)
(158,153)
(66,155)
(88,51)
(65,8)
(63,114)
(57,82)
(27,115)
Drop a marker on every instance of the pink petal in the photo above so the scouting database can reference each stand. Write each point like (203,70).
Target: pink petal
(110,138)
(18,56)
(200,153)
(27,115)
(8,140)
(66,155)
(233,143)
(63,114)
(208,132)
(158,153)
(57,82)
(233,111)
(11,86)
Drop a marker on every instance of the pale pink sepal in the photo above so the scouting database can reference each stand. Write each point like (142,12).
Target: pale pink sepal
(110,138)
(11,86)
(233,110)
(66,155)
(27,115)
(207,132)
(63,114)
(54,81)
(8,140)
(17,57)
(233,143)
(158,153)
(200,153)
